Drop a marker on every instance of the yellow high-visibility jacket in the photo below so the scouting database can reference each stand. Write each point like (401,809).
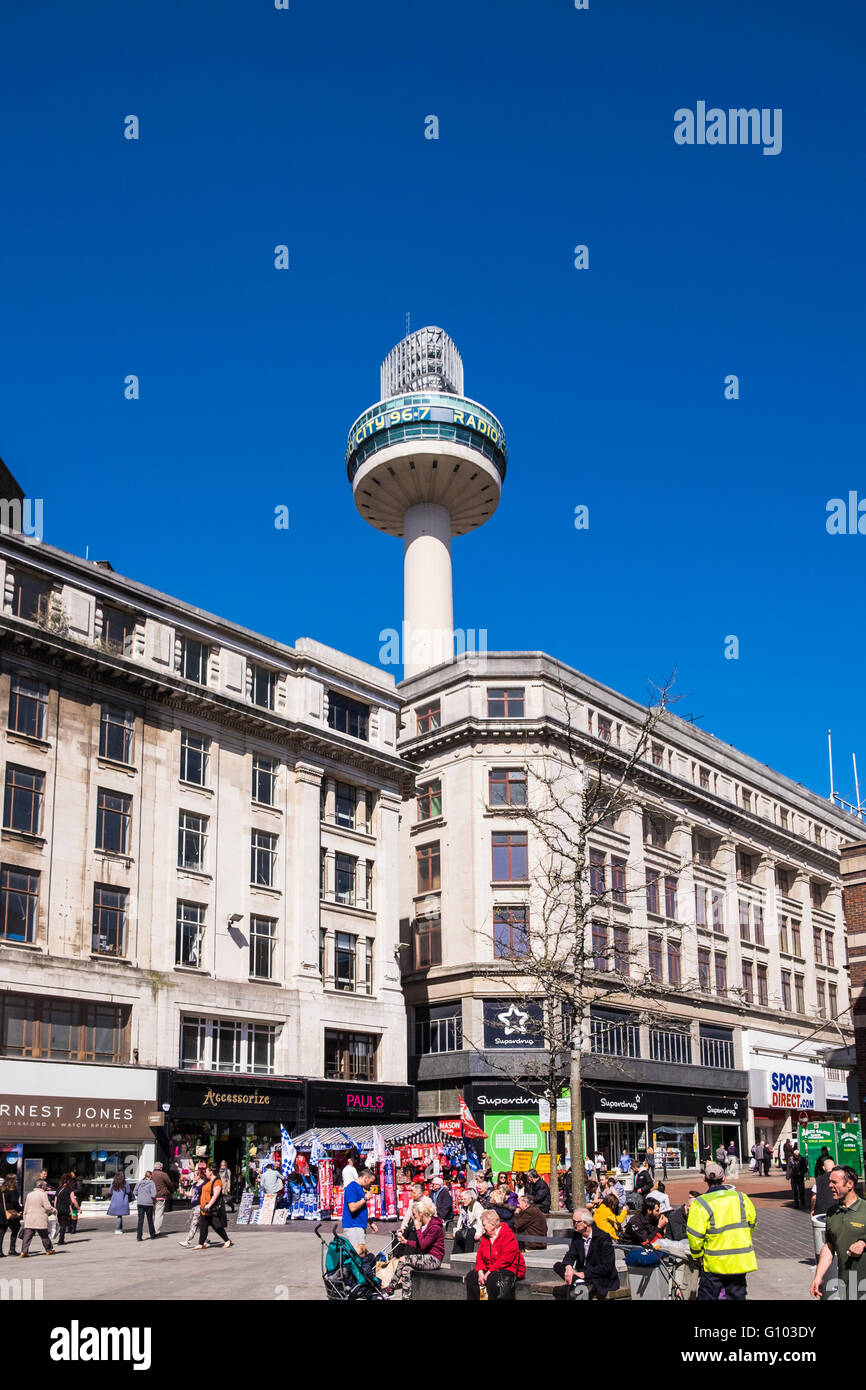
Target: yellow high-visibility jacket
(720,1231)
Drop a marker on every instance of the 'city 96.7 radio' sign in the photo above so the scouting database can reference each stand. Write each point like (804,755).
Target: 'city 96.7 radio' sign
(787,1090)
(468,415)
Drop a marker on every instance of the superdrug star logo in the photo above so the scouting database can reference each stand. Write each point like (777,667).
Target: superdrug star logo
(514,1020)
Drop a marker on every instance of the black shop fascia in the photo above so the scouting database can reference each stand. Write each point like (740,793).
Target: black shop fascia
(336,1103)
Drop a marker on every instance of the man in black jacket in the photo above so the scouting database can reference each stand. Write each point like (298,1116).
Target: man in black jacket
(537,1191)
(590,1258)
(442,1200)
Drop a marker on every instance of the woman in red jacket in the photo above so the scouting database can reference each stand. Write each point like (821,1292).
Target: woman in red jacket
(425,1245)
(498,1252)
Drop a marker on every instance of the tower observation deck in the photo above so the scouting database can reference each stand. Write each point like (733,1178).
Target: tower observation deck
(426,463)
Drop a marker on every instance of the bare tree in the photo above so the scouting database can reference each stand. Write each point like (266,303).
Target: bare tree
(577,786)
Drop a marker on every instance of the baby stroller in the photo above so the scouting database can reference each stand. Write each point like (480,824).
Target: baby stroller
(343,1272)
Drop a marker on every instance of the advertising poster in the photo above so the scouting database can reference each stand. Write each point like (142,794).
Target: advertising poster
(245,1209)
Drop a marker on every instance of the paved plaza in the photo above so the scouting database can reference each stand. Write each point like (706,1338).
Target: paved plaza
(283,1263)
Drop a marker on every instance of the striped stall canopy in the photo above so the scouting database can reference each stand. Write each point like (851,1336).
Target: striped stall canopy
(360,1137)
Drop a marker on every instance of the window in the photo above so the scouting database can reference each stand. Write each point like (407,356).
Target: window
(799,995)
(834,999)
(658,755)
(758,923)
(504,704)
(721,976)
(22,807)
(118,631)
(368,966)
(763,986)
(344,960)
(670,897)
(620,950)
(652,892)
(438,1028)
(19,893)
(228,1045)
(744,920)
(345,800)
(783,934)
(113,817)
(604,728)
(704,969)
(510,856)
(511,932)
(189,934)
(263,687)
(194,758)
(675,969)
(599,946)
(263,859)
(704,778)
(786,990)
(818,893)
(27,705)
(718,912)
(796,946)
(429,800)
(350,1056)
(264,779)
(717,1046)
(822,999)
(71,1030)
(702,849)
(191,840)
(116,729)
(347,716)
(744,866)
(193,660)
(109,920)
(368,885)
(30,597)
(671,1045)
(428,717)
(345,866)
(323,942)
(748,981)
(617,882)
(655,831)
(747,799)
(596,874)
(783,882)
(427,859)
(613,1034)
(783,817)
(700,905)
(427,940)
(656,971)
(818,945)
(506,787)
(263,936)
(831,952)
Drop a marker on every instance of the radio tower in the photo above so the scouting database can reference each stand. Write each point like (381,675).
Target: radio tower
(426,463)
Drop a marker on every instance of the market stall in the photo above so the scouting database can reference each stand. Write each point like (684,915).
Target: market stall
(403,1155)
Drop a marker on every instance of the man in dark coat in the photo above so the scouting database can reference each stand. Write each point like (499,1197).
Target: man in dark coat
(795,1171)
(537,1191)
(590,1258)
(442,1199)
(529,1220)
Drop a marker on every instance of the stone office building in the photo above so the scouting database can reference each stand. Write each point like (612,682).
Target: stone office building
(199,867)
(722,884)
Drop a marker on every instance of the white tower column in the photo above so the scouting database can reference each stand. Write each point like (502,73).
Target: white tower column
(428,611)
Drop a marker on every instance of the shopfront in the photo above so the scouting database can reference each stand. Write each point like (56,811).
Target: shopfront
(510,1118)
(678,1126)
(215,1116)
(65,1116)
(332,1103)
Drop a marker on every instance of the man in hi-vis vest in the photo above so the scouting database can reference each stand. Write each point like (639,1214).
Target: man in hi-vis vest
(720,1234)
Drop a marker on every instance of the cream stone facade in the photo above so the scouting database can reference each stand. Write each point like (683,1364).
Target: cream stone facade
(744,925)
(200,835)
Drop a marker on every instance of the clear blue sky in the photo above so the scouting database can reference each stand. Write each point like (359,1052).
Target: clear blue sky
(306,127)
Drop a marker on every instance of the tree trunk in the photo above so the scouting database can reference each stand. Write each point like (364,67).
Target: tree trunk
(578,1170)
(554,1167)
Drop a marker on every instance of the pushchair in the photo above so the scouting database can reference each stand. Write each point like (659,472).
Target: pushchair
(343,1273)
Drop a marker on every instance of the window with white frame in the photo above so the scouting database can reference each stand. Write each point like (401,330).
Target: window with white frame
(263,859)
(189,935)
(228,1045)
(194,758)
(263,936)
